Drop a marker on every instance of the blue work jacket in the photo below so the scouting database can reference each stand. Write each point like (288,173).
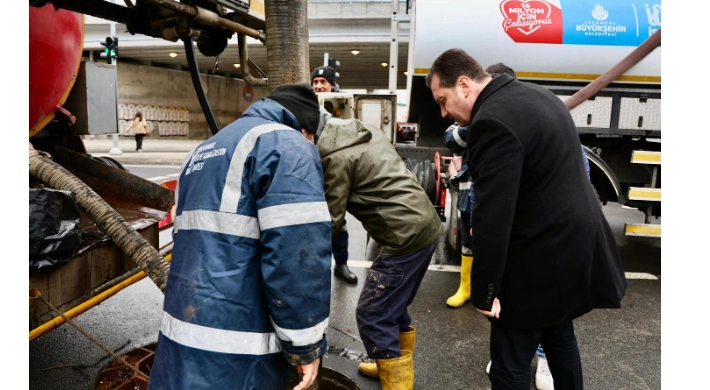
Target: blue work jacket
(248,294)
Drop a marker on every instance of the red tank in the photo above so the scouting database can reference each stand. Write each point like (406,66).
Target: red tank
(56,44)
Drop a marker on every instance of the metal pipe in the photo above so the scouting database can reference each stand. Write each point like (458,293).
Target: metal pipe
(207,17)
(394,48)
(244,64)
(619,69)
(88,304)
(253,65)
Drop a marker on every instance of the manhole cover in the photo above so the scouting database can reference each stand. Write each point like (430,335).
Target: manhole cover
(117,376)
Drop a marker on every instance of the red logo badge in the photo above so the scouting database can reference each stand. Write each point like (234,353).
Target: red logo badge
(532,21)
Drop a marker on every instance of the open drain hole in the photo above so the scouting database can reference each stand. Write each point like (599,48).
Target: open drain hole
(116,376)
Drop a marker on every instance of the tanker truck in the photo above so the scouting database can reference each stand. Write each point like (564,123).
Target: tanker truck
(565,46)
(84,210)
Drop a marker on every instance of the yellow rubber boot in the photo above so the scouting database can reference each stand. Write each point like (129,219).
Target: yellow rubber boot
(397,373)
(406,342)
(464,292)
(408,339)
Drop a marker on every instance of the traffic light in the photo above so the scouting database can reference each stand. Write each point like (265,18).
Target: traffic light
(111,49)
(333,63)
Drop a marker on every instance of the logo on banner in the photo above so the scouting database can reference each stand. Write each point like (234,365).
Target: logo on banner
(654,15)
(654,18)
(600,27)
(532,21)
(600,13)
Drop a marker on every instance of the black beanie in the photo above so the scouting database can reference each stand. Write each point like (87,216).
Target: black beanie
(324,71)
(302,101)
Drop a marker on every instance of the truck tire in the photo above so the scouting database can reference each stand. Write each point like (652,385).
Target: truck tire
(410,162)
(433,179)
(414,169)
(425,179)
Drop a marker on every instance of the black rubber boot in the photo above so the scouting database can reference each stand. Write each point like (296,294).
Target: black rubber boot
(343,272)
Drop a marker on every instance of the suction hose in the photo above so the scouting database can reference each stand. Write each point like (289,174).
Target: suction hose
(103,215)
(197,84)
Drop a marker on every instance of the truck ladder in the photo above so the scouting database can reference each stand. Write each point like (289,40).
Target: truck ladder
(648,194)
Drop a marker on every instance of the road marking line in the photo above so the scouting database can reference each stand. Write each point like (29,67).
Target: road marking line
(158,178)
(640,275)
(457,268)
(174,174)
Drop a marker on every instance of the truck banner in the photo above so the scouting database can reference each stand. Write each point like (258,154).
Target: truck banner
(604,22)
(540,39)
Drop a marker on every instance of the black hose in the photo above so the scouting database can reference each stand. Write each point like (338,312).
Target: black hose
(197,84)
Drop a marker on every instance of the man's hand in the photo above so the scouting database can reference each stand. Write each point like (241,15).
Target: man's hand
(309,372)
(495,310)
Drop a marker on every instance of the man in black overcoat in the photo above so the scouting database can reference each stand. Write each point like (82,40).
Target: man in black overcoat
(544,251)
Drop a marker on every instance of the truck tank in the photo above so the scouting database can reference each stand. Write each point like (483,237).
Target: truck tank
(117,214)
(55,55)
(542,39)
(563,45)
(555,42)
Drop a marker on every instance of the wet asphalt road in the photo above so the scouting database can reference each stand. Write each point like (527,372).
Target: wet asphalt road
(621,349)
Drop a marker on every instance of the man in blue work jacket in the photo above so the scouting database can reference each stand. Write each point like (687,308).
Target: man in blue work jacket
(248,293)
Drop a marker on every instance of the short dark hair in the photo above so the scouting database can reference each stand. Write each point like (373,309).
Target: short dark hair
(500,68)
(451,65)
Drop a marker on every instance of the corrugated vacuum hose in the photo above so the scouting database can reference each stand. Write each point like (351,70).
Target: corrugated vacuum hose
(103,215)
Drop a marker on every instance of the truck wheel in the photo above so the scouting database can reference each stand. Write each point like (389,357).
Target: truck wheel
(433,179)
(420,173)
(410,162)
(425,179)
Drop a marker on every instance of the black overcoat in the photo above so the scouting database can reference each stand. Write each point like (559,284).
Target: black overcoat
(541,243)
